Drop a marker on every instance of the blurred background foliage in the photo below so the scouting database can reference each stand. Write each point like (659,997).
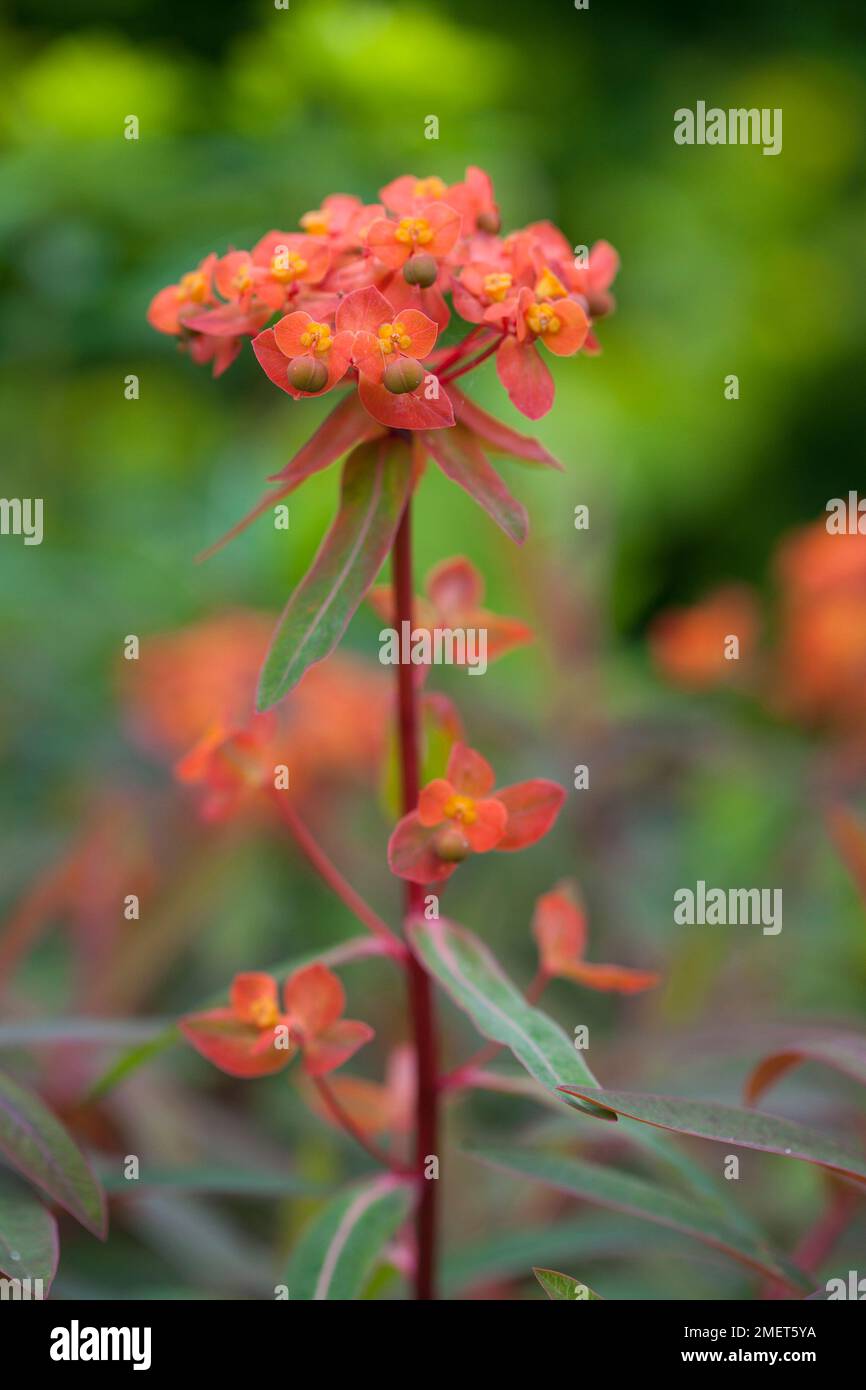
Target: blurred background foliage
(731,263)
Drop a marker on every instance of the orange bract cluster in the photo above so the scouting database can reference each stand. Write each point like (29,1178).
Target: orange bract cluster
(359,295)
(192,697)
(559,928)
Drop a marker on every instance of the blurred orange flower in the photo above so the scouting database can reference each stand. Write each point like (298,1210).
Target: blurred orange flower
(689,645)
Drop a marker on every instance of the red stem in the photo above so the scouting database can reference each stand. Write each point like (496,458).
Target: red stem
(331,875)
(345,1121)
(475,362)
(459,350)
(420,991)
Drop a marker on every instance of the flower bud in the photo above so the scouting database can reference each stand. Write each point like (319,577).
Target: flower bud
(451,844)
(306,374)
(404,375)
(489,221)
(420,269)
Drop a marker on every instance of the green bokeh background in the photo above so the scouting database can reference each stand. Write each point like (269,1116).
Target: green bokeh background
(732,262)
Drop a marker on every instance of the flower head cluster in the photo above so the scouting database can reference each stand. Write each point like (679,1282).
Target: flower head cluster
(358,294)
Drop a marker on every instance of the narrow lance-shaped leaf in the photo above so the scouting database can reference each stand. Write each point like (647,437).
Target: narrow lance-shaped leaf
(562,1288)
(844,1052)
(478,985)
(28,1235)
(35,1143)
(498,436)
(336,1255)
(462,459)
(347,425)
(623,1192)
(377,479)
(726,1124)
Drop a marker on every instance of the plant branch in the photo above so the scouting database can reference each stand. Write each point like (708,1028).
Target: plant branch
(331,875)
(475,362)
(420,986)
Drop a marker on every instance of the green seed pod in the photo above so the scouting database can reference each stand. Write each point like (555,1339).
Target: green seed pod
(306,374)
(420,270)
(488,222)
(451,844)
(403,375)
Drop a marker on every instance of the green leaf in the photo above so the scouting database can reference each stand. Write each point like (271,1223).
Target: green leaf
(28,1234)
(221,1182)
(35,1143)
(561,1288)
(33,1032)
(377,479)
(336,1255)
(727,1124)
(478,985)
(607,1187)
(845,1052)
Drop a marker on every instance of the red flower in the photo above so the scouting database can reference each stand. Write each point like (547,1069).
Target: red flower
(560,324)
(170,307)
(302,356)
(460,814)
(559,928)
(393,386)
(431,228)
(251,1036)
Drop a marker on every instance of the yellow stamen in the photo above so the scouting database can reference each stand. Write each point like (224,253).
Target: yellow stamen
(542,318)
(549,286)
(316,223)
(496,286)
(193,286)
(263,1013)
(462,809)
(430,188)
(393,336)
(317,336)
(287,265)
(243,279)
(414,231)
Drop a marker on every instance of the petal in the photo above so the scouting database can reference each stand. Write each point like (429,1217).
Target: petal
(559,928)
(445,225)
(335,1045)
(503,634)
(571,335)
(487,830)
(410,411)
(525,377)
(363,311)
(455,587)
(314,998)
(251,992)
(532,808)
(399,195)
(274,363)
(421,329)
(368,1104)
(164,311)
(289,332)
(234,1047)
(382,241)
(368,355)
(432,801)
(412,853)
(471,774)
(613,979)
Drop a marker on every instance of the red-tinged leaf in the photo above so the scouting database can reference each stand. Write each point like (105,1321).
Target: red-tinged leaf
(412,853)
(605,1186)
(849,835)
(29,1246)
(273,362)
(844,1052)
(363,311)
(410,411)
(36,1144)
(562,1288)
(236,1048)
(377,480)
(500,437)
(347,425)
(462,459)
(559,927)
(532,808)
(610,979)
(331,1048)
(525,377)
(726,1124)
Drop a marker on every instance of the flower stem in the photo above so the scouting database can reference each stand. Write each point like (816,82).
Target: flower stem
(475,361)
(331,875)
(420,990)
(345,1121)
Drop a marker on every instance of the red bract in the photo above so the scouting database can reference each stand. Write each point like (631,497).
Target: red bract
(252,1036)
(454,592)
(461,814)
(559,928)
(387,349)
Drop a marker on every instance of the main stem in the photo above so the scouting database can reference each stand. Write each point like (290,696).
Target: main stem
(420,992)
